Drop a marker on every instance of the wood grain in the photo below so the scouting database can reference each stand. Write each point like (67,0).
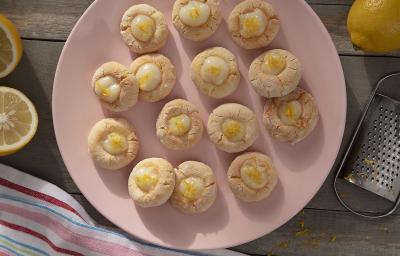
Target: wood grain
(34,76)
(324,228)
(312,232)
(331,2)
(53,20)
(41,158)
(329,233)
(44,19)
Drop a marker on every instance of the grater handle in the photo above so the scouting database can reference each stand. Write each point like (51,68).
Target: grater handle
(369,216)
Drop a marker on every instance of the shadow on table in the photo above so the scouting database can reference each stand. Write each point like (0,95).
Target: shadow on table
(40,157)
(357,96)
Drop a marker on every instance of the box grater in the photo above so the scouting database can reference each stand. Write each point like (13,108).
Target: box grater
(372,158)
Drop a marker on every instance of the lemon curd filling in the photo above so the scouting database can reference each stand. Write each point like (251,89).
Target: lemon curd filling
(215,70)
(179,125)
(290,112)
(194,13)
(107,89)
(273,63)
(233,129)
(143,27)
(115,143)
(149,77)
(253,175)
(191,188)
(146,178)
(252,24)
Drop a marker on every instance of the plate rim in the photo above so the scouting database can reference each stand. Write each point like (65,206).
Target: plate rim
(256,235)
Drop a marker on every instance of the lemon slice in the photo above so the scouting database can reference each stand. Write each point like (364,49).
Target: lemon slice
(18,120)
(10,47)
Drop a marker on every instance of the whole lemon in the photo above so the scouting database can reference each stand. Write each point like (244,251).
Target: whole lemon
(374,25)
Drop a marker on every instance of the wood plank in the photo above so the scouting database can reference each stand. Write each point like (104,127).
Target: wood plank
(331,2)
(44,19)
(314,231)
(53,20)
(34,76)
(41,158)
(329,233)
(35,73)
(361,73)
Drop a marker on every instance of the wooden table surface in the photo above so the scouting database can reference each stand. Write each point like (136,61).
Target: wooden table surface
(324,227)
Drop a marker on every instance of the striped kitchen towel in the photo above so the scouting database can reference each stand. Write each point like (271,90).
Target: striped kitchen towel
(38,218)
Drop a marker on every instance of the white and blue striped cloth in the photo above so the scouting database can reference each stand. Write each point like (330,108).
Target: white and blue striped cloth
(38,218)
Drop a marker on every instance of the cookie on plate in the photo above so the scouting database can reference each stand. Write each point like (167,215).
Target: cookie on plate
(232,127)
(156,76)
(291,118)
(113,143)
(253,24)
(252,176)
(151,182)
(196,20)
(116,87)
(215,72)
(179,125)
(275,73)
(195,190)
(144,29)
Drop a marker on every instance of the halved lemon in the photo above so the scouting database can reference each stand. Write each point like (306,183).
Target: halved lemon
(10,46)
(18,120)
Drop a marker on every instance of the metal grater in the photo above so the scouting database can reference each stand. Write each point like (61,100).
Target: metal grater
(372,159)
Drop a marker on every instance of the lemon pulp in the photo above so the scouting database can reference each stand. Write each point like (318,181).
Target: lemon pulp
(10,47)
(18,120)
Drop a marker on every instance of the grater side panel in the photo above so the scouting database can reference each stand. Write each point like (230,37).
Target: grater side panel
(374,160)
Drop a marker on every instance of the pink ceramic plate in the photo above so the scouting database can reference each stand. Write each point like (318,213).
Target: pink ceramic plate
(302,168)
